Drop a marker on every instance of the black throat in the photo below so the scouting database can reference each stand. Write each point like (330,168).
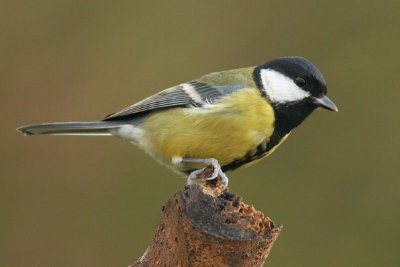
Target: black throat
(289,116)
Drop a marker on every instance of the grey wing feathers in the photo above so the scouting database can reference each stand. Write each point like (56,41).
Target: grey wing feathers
(171,97)
(192,94)
(210,94)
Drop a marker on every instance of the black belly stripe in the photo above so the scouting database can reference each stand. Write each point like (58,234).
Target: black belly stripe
(256,153)
(287,117)
(253,154)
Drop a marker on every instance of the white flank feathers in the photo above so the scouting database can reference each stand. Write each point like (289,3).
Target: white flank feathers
(129,132)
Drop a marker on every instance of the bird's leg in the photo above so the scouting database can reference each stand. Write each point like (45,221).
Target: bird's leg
(208,162)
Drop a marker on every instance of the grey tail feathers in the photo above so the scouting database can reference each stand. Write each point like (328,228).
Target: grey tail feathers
(70,128)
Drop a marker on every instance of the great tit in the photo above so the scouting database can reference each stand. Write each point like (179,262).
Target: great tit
(226,119)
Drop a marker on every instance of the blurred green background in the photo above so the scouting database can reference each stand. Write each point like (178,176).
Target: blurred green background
(79,201)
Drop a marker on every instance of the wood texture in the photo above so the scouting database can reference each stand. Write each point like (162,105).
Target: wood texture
(203,225)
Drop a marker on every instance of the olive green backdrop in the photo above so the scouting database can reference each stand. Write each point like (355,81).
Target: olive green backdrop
(79,201)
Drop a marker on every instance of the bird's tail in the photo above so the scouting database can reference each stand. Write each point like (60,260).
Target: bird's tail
(70,128)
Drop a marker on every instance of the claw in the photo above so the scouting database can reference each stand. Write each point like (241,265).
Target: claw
(209,162)
(224,178)
(193,175)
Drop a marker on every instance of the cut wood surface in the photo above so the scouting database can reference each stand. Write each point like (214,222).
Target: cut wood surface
(204,225)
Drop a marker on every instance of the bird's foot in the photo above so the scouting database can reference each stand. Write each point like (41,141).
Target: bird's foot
(217,170)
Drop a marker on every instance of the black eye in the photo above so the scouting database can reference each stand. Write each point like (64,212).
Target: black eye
(300,82)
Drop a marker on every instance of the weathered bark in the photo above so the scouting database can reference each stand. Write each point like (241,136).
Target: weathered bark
(203,225)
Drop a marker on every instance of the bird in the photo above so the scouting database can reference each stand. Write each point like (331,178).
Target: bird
(227,120)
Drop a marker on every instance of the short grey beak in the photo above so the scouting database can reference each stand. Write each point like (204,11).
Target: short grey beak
(325,102)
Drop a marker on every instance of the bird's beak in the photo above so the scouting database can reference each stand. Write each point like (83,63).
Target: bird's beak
(325,102)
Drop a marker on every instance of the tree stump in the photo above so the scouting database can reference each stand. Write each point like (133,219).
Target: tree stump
(204,225)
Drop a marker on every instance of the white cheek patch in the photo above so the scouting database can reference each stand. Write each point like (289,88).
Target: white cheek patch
(280,88)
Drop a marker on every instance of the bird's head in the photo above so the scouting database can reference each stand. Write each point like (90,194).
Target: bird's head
(291,81)
(294,87)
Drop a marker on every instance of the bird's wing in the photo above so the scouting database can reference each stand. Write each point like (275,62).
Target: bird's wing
(191,94)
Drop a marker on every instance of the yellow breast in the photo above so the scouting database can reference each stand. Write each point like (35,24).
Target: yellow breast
(226,130)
